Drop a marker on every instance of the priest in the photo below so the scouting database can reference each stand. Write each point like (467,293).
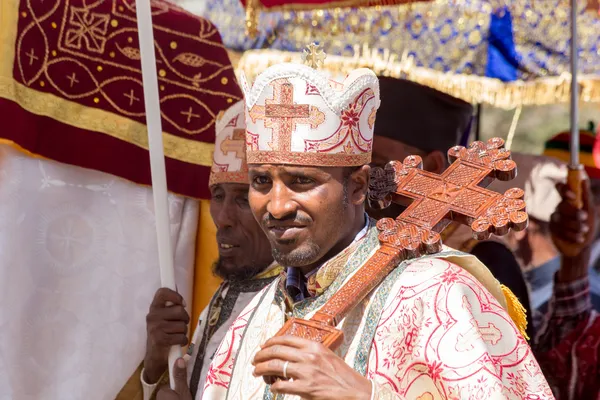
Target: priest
(245,264)
(435,328)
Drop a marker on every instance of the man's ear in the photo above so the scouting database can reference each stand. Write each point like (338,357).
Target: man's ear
(435,162)
(360,188)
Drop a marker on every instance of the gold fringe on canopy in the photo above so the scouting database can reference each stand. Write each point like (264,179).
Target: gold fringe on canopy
(470,88)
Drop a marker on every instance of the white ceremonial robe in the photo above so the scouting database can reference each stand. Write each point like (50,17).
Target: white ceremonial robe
(78,270)
(430,331)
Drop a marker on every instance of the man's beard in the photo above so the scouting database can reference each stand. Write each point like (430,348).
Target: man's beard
(297,257)
(236,274)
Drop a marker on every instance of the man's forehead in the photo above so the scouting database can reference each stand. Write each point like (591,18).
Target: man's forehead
(289,169)
(231,187)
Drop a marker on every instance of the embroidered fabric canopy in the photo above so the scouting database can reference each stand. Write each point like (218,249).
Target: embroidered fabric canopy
(71,87)
(503,53)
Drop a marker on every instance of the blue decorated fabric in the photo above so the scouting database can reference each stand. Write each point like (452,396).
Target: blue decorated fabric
(521,39)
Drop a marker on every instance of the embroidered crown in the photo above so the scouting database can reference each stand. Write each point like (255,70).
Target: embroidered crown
(229,158)
(295,115)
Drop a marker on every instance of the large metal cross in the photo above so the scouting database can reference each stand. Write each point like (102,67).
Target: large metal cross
(458,194)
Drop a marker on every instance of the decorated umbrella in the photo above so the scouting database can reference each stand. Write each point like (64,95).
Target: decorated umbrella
(506,54)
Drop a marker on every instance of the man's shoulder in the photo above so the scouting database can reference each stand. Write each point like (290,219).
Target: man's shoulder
(433,268)
(449,268)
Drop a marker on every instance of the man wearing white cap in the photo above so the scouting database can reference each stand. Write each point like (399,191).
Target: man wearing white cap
(245,264)
(429,330)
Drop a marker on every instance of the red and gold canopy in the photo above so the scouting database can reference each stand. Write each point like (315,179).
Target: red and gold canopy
(71,87)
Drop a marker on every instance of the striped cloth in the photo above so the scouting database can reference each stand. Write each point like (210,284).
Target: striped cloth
(589,150)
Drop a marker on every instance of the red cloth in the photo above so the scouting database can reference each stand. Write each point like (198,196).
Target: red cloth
(575,361)
(87,55)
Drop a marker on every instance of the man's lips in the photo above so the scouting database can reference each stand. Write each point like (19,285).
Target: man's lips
(226,247)
(285,232)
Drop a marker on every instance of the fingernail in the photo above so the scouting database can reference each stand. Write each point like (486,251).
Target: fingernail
(180,363)
(184,303)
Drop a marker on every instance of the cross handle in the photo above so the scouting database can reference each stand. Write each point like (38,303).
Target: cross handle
(384,181)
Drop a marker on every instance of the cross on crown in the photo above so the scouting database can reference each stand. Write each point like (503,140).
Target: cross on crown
(235,144)
(458,194)
(281,114)
(313,55)
(230,137)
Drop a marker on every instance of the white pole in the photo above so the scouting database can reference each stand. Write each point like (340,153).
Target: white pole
(574,147)
(157,157)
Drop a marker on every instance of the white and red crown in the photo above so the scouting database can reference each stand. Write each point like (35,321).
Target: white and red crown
(296,115)
(229,158)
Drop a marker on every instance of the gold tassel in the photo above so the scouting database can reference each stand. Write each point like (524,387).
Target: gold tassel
(252,18)
(516,311)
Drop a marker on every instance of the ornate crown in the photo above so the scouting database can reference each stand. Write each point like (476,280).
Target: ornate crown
(229,158)
(295,115)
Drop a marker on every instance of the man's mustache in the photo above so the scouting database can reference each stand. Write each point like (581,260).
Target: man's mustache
(292,219)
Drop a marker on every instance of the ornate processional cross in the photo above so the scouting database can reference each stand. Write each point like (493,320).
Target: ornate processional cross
(433,201)
(458,194)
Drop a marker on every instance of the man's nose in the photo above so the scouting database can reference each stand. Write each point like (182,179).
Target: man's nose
(226,215)
(281,203)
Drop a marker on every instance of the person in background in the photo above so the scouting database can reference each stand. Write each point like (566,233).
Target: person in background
(589,155)
(419,120)
(533,248)
(568,342)
(245,264)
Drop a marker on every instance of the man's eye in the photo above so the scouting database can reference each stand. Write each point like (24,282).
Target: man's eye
(261,180)
(300,180)
(218,196)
